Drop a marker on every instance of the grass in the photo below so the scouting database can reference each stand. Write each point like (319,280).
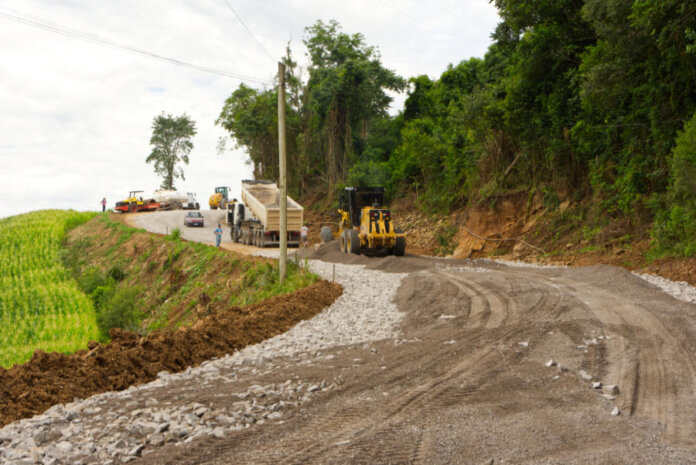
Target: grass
(41,306)
(177,281)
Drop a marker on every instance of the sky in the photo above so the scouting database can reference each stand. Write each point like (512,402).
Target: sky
(76,115)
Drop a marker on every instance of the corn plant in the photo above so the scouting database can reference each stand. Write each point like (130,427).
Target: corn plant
(41,306)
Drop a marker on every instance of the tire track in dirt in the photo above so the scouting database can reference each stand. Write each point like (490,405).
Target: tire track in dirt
(487,353)
(649,383)
(480,369)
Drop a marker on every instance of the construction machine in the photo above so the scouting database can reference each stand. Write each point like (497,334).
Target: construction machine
(136,203)
(220,198)
(255,220)
(365,225)
(191,202)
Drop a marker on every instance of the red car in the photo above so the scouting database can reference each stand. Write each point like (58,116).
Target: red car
(193,219)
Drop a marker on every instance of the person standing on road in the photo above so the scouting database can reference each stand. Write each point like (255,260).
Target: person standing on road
(304,233)
(218,235)
(103,204)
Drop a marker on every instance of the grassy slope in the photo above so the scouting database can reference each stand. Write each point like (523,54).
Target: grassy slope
(41,306)
(142,281)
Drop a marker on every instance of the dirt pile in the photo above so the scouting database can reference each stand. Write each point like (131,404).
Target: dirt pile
(49,379)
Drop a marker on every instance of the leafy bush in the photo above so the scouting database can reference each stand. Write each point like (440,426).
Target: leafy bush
(117,308)
(674,231)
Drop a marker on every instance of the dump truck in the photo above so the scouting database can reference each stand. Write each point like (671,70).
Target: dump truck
(136,203)
(220,198)
(255,220)
(366,226)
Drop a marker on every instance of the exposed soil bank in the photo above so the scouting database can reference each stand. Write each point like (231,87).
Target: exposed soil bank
(49,379)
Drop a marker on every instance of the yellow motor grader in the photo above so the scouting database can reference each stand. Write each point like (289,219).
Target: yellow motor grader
(365,225)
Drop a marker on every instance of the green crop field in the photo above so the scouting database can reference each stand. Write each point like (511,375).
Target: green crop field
(41,306)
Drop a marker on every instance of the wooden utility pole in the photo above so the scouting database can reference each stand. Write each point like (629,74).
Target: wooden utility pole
(281,176)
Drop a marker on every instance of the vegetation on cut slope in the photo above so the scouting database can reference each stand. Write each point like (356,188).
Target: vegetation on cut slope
(142,282)
(583,101)
(41,306)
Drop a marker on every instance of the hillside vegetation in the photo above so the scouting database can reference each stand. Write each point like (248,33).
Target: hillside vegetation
(41,306)
(590,102)
(142,282)
(67,278)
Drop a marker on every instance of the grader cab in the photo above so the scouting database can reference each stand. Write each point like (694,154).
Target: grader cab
(366,225)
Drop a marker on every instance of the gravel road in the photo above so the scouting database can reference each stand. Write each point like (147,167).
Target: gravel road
(164,223)
(421,361)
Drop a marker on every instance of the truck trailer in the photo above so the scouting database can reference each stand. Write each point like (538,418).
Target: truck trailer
(255,220)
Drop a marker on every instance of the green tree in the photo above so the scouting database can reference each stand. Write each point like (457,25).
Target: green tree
(171,143)
(637,90)
(675,224)
(251,118)
(346,94)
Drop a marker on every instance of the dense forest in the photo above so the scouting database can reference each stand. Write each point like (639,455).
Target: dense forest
(578,99)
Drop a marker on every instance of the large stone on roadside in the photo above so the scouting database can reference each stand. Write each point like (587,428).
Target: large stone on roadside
(612,389)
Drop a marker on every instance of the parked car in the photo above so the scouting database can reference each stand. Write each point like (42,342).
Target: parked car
(193,219)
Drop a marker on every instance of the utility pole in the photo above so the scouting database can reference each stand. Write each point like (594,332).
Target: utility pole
(281,176)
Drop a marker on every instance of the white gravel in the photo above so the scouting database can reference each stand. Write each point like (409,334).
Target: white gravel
(123,425)
(519,264)
(365,312)
(678,289)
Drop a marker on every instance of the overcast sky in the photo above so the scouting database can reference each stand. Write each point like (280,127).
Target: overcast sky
(76,117)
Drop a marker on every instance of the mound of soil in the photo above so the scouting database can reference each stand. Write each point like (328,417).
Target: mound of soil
(129,359)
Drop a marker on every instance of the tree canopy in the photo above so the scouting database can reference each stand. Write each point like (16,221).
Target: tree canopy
(588,98)
(171,144)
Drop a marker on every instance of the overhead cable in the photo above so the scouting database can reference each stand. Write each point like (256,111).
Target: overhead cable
(94,39)
(419,21)
(249,31)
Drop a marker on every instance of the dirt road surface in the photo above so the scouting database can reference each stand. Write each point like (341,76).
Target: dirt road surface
(490,364)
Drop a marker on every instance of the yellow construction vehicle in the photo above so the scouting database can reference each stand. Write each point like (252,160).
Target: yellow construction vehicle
(220,198)
(136,203)
(365,226)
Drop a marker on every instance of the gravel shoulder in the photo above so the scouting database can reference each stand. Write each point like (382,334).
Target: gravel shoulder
(422,361)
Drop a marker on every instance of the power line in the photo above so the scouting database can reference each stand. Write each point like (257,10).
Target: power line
(447,8)
(97,40)
(249,31)
(420,21)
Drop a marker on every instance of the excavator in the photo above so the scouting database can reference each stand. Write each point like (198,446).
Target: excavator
(365,225)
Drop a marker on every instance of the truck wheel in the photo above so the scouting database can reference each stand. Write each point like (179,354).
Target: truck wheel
(198,206)
(326,234)
(400,246)
(353,243)
(344,241)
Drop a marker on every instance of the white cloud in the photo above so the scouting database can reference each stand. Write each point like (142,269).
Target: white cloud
(75,117)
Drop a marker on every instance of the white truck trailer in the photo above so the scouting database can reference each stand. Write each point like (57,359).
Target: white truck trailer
(256,219)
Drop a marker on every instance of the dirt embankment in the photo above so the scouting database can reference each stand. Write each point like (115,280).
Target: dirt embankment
(520,226)
(49,379)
